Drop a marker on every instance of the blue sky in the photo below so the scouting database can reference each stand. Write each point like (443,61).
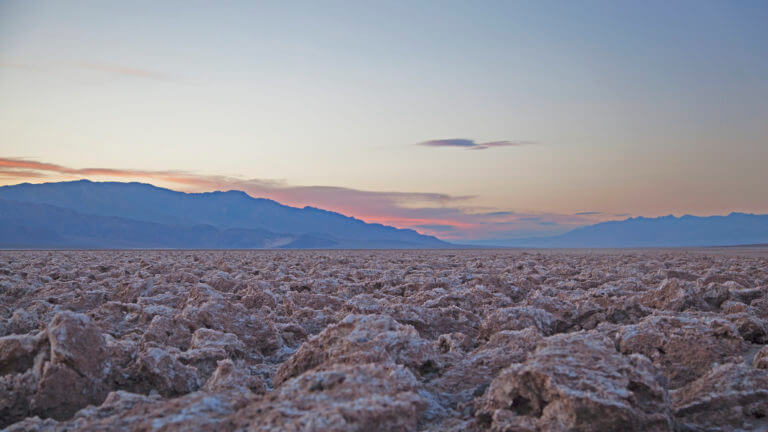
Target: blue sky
(623,108)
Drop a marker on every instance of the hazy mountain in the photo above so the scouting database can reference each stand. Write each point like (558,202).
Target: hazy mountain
(135,215)
(733,229)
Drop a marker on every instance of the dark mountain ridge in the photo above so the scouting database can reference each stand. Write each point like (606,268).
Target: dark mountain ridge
(186,219)
(665,231)
(86,214)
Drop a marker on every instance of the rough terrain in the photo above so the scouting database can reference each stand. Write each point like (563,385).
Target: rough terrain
(384,340)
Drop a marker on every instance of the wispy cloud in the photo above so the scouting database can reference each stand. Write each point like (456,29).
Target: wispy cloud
(106,68)
(470,144)
(435,227)
(37,169)
(588,213)
(547,223)
(448,216)
(127,71)
(13,65)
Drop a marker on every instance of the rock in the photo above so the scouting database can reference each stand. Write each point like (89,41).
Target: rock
(453,342)
(62,391)
(519,318)
(745,296)
(17,352)
(115,403)
(730,396)
(227,317)
(760,361)
(733,307)
(672,295)
(430,323)
(166,374)
(685,347)
(203,360)
(197,411)
(577,382)
(363,339)
(752,329)
(468,377)
(207,338)
(16,390)
(715,295)
(77,343)
(78,365)
(164,331)
(228,376)
(32,424)
(369,397)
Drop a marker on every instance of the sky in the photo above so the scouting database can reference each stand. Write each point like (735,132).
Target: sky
(472,121)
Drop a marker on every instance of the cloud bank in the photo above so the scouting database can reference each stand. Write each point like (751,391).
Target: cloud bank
(470,144)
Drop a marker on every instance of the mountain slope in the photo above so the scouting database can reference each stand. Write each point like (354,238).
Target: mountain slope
(228,213)
(733,229)
(29,225)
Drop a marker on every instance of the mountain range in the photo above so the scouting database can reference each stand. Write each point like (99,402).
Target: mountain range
(666,231)
(107,215)
(86,214)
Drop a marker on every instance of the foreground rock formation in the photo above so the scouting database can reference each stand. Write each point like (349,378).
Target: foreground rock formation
(380,341)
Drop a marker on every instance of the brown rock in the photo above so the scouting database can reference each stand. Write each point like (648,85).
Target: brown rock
(715,295)
(16,390)
(164,331)
(78,365)
(207,338)
(234,318)
(730,396)
(468,377)
(197,411)
(685,347)
(363,339)
(17,352)
(752,329)
(203,360)
(362,397)
(671,295)
(62,391)
(454,342)
(229,376)
(166,374)
(577,382)
(519,318)
(76,342)
(760,360)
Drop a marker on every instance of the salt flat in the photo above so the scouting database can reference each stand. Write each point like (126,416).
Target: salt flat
(645,339)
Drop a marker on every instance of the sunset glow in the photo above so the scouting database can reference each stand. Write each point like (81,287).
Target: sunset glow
(599,111)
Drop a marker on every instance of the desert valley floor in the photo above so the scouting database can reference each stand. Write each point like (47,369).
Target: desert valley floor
(384,340)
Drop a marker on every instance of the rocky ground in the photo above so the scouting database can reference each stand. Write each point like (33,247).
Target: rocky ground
(383,340)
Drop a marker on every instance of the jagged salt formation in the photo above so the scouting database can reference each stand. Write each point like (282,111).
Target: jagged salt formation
(388,340)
